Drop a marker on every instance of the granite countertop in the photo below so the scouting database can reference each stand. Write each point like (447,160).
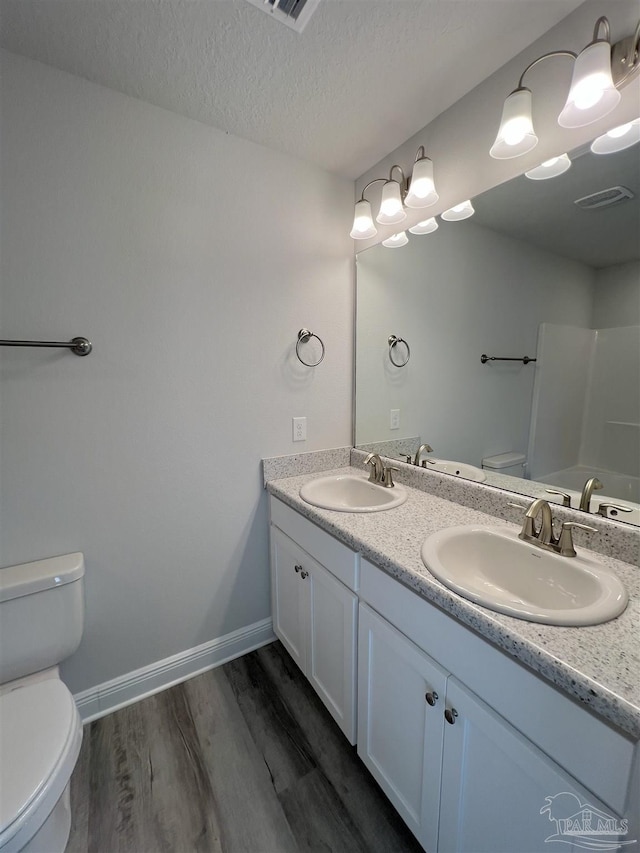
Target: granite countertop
(599,665)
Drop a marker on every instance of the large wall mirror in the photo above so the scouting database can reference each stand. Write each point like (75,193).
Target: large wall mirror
(537,273)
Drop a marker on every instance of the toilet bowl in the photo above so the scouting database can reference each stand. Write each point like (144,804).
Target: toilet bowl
(40,740)
(40,728)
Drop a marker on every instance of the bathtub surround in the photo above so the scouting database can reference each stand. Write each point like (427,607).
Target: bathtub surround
(586,407)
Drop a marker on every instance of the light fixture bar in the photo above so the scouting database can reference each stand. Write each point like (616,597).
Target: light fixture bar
(599,71)
(417,192)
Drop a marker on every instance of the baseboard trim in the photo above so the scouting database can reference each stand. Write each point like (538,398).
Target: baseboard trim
(133,686)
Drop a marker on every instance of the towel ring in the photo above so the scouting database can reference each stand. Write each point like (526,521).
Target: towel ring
(304,336)
(394,341)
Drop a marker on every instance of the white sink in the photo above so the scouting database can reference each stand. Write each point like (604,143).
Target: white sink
(458,469)
(493,567)
(349,493)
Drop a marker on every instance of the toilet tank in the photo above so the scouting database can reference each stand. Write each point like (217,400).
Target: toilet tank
(41,614)
(513,464)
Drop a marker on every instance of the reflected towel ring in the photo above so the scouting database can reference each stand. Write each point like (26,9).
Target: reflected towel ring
(304,336)
(394,341)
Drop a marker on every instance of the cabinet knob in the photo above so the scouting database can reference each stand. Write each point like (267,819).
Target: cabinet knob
(304,575)
(450,715)
(298,569)
(431,697)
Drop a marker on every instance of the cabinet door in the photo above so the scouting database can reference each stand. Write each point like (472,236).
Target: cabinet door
(331,659)
(399,733)
(500,793)
(288,595)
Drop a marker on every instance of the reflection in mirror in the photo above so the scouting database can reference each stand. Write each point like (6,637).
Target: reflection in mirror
(548,269)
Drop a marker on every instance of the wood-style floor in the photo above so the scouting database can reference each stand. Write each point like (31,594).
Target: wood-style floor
(241,759)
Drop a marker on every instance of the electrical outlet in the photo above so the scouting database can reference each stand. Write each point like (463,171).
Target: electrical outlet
(299,429)
(394,419)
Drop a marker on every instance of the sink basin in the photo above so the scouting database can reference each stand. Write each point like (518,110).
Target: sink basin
(348,493)
(493,567)
(458,469)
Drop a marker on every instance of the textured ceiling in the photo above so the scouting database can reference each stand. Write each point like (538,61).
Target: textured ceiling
(363,76)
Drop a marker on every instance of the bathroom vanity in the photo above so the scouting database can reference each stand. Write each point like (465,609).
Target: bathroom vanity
(481,729)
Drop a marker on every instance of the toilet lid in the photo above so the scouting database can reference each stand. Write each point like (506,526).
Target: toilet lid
(39,729)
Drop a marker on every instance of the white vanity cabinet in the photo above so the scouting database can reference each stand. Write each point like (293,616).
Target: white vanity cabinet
(401,694)
(471,773)
(315,608)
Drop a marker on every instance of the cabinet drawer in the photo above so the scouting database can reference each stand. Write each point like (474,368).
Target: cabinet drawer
(589,749)
(333,555)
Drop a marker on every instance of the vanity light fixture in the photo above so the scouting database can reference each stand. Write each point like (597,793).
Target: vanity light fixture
(422,190)
(427,226)
(599,71)
(459,211)
(391,209)
(396,193)
(618,138)
(396,241)
(550,168)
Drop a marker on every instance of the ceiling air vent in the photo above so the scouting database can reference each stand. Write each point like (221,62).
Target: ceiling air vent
(293,13)
(604,198)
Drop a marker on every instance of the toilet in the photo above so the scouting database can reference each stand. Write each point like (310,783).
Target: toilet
(511,463)
(41,621)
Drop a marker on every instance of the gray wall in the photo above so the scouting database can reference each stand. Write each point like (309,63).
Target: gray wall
(453,295)
(617,296)
(190,258)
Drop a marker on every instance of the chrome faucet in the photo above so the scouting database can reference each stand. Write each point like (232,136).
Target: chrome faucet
(544,537)
(589,487)
(423,447)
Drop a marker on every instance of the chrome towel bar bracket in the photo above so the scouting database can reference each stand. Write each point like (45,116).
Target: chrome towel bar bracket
(393,341)
(304,336)
(79,346)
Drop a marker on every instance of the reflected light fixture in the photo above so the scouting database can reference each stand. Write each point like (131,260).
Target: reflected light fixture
(618,138)
(396,241)
(397,193)
(427,226)
(599,71)
(459,211)
(550,168)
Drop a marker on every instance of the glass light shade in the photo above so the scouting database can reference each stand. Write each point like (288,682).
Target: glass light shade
(618,138)
(515,134)
(550,168)
(422,191)
(592,94)
(363,226)
(391,210)
(459,211)
(425,227)
(396,241)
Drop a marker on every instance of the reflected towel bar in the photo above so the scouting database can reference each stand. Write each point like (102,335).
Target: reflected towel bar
(79,346)
(525,359)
